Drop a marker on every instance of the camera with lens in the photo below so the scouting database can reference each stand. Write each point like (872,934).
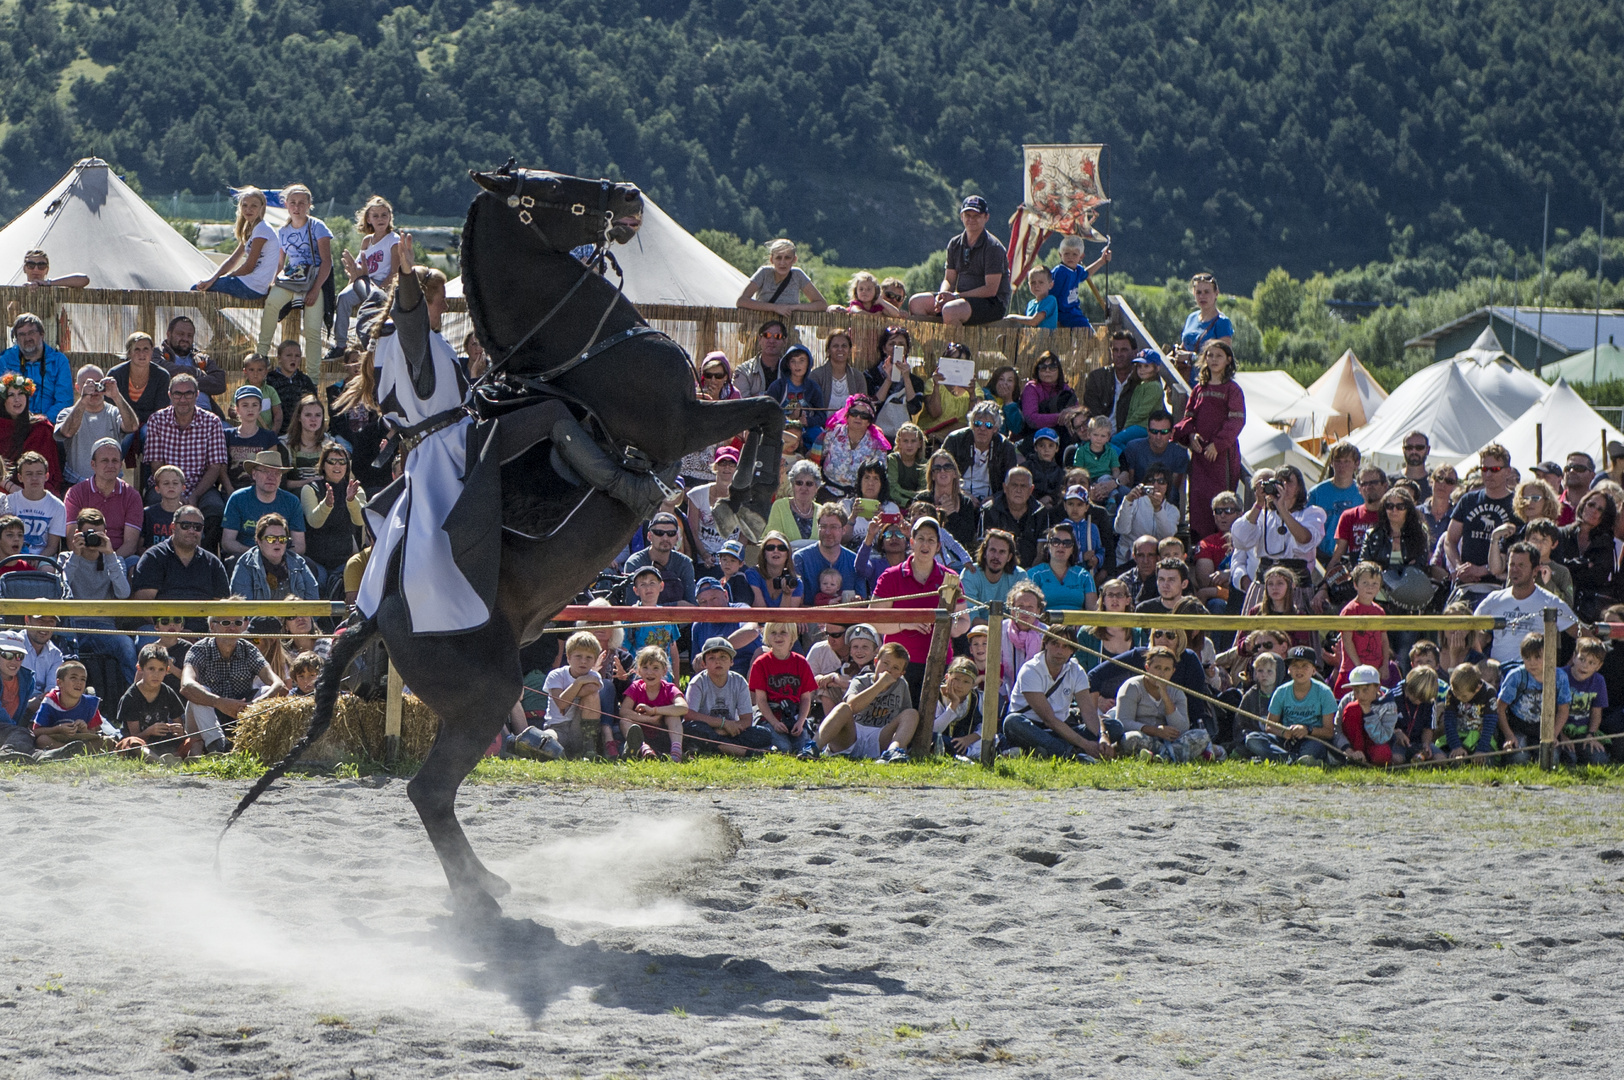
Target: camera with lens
(90,538)
(1271,488)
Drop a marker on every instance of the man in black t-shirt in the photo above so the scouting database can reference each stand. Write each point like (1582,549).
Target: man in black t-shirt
(975,283)
(1476,516)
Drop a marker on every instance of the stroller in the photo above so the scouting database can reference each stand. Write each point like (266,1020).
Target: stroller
(39,578)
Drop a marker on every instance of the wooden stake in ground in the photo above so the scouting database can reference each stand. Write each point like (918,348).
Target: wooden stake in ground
(991,684)
(941,638)
(1547,697)
(393,703)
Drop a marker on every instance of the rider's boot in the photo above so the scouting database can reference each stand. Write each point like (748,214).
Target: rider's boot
(640,491)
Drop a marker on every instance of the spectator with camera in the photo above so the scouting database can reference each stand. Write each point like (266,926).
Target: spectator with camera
(1146,510)
(91,419)
(1282,528)
(94,571)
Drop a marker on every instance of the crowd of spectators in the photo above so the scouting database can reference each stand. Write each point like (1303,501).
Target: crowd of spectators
(1120,491)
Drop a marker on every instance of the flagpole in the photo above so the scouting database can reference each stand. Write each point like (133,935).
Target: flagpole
(1595,343)
(1516,298)
(1539,330)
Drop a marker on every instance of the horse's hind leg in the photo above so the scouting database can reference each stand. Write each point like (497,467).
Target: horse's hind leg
(470,680)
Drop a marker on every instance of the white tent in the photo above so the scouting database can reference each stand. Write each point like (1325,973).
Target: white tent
(1559,424)
(1276,398)
(665,264)
(1350,393)
(1439,400)
(91,223)
(1497,376)
(1263,446)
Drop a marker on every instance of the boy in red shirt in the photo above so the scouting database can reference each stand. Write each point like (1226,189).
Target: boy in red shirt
(1362,646)
(781,687)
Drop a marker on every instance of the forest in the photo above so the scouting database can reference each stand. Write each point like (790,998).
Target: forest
(1419,135)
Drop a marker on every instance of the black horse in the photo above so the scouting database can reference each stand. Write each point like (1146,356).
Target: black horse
(551,326)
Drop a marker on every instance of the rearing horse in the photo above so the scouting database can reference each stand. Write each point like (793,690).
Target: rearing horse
(553,328)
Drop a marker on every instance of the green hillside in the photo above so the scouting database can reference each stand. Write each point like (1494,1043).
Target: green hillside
(1244,135)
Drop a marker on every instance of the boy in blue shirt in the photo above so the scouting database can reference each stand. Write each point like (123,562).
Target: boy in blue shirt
(1300,712)
(1069,277)
(1576,743)
(1042,311)
(1518,701)
(647,584)
(68,715)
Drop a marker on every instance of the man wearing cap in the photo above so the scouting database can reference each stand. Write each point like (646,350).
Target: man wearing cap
(31,357)
(975,283)
(1108,390)
(191,439)
(676,569)
(91,419)
(828,553)
(720,717)
(266,496)
(119,503)
(1416,448)
(249,437)
(983,454)
(17,702)
(745,638)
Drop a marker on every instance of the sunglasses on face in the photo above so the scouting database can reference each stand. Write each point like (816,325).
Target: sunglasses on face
(775,547)
(228,622)
(1160,431)
(1533,496)
(1393,506)
(1503,468)
(1447,481)
(1420,446)
(34,264)
(1372,483)
(1577,468)
(805,483)
(276,539)
(986,425)
(189,526)
(1226,510)
(10,654)
(772,337)
(662,532)
(1061,541)
(860,416)
(838,632)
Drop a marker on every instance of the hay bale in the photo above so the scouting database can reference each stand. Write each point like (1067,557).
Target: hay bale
(268,729)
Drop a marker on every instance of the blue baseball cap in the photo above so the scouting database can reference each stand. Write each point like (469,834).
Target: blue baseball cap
(1149,356)
(974,202)
(708,583)
(733,548)
(1047,433)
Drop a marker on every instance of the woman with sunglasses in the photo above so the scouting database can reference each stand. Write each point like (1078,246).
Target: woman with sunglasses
(883,547)
(715,383)
(1047,395)
(270,570)
(852,440)
(897,393)
(1590,553)
(332,509)
(1531,500)
(797,516)
(1441,504)
(1065,585)
(959,516)
(772,580)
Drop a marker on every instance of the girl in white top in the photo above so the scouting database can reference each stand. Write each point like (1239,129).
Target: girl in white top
(372,270)
(248,271)
(1277,535)
(307,262)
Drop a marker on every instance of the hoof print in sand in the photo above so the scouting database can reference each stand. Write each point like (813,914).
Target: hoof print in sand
(773,837)
(1611,855)
(1432,943)
(1037,855)
(820,860)
(1109,884)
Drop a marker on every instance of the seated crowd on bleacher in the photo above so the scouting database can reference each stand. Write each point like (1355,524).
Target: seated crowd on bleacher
(1121,491)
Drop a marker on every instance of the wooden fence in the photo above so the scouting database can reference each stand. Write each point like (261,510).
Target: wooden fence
(91,326)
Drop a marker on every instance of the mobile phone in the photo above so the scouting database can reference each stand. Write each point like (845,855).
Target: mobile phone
(899,354)
(889,519)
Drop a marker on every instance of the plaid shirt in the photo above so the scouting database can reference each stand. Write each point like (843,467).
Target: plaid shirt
(192,449)
(233,678)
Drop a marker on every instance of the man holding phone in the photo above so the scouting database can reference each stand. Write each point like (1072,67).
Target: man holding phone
(95,572)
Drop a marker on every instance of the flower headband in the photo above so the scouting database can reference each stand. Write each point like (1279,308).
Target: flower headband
(12,381)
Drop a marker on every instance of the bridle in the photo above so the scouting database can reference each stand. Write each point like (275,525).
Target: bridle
(594,265)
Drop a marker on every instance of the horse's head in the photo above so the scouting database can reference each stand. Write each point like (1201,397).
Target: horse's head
(566,212)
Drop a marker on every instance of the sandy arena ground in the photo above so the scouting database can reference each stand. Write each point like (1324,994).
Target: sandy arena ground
(1289,932)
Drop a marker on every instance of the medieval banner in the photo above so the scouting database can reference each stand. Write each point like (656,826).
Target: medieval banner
(1064,194)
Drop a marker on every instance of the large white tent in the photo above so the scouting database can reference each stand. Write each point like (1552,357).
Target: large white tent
(1263,446)
(1497,376)
(91,223)
(1439,400)
(1350,393)
(1559,424)
(665,264)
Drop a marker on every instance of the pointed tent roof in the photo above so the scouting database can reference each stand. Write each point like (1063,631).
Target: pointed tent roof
(1274,397)
(90,222)
(1559,424)
(1351,394)
(666,264)
(1439,400)
(1497,376)
(1263,446)
(1603,363)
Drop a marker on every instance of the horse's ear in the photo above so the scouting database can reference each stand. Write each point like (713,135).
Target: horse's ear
(496,183)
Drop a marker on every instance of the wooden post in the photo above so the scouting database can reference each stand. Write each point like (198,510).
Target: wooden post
(941,637)
(989,691)
(1539,442)
(393,704)
(1547,697)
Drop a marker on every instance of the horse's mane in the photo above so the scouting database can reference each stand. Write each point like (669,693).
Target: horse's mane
(472,293)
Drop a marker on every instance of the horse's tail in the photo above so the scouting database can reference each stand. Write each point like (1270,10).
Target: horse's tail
(345,648)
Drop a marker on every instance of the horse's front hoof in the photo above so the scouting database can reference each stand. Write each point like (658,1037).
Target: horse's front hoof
(495,884)
(752,526)
(475,903)
(727,522)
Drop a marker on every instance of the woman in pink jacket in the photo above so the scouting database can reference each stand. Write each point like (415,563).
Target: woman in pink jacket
(1211,428)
